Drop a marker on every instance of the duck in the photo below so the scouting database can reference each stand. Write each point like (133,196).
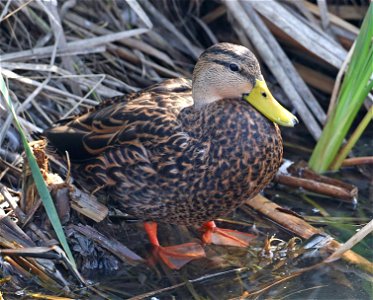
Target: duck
(182,151)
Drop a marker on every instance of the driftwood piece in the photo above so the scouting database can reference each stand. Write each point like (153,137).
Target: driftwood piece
(111,245)
(87,205)
(266,52)
(302,229)
(82,202)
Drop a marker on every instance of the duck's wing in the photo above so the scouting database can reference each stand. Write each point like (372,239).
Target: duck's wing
(147,116)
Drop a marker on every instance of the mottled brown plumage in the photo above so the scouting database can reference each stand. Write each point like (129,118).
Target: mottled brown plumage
(164,159)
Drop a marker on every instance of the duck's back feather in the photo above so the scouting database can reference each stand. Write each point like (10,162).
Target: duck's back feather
(146,116)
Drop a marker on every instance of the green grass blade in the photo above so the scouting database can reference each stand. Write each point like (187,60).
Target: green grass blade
(355,88)
(38,178)
(353,139)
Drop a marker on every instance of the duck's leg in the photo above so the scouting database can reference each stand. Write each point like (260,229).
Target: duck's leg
(219,236)
(176,256)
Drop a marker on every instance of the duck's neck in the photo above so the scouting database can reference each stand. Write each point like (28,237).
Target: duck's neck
(203,95)
(208,88)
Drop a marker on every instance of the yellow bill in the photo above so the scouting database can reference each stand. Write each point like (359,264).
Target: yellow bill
(261,98)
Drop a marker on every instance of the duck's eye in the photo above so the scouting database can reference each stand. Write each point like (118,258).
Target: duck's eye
(264,95)
(234,67)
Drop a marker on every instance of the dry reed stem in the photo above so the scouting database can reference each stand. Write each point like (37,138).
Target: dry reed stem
(360,235)
(274,64)
(333,18)
(298,83)
(325,48)
(167,24)
(338,81)
(324,16)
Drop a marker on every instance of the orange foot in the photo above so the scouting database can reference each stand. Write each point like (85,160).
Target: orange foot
(175,257)
(226,237)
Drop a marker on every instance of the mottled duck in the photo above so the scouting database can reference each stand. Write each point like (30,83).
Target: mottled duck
(181,151)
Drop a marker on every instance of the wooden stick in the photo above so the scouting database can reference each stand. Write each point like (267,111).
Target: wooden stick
(302,229)
(318,187)
(355,161)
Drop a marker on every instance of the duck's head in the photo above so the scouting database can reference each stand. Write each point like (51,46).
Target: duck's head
(231,71)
